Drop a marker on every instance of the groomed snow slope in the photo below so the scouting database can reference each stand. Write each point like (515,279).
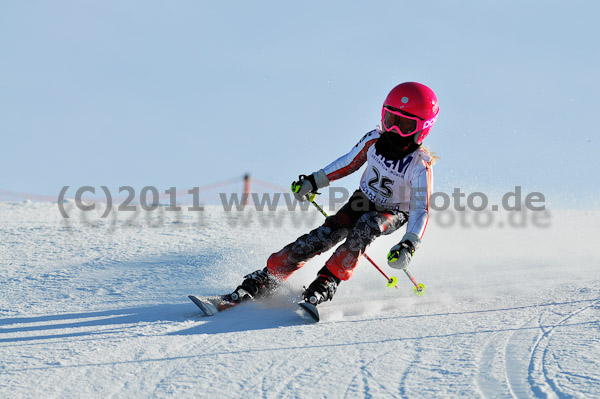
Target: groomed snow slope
(99,309)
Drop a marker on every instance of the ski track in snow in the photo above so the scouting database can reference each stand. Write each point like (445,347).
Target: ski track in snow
(100,310)
(541,376)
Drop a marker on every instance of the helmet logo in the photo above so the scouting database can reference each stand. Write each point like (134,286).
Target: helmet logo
(404,100)
(429,122)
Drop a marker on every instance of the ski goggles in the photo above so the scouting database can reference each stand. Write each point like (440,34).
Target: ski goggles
(404,124)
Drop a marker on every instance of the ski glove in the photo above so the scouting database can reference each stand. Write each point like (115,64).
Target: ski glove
(400,255)
(309,184)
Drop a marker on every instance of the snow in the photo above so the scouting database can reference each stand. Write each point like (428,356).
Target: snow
(98,308)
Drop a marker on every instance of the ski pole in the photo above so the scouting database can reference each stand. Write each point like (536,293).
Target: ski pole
(392,282)
(419,288)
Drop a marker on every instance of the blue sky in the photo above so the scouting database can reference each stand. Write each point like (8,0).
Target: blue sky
(187,93)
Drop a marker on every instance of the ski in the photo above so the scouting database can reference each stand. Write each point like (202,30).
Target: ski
(211,305)
(310,309)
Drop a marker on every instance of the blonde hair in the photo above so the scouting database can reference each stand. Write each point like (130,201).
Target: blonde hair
(434,157)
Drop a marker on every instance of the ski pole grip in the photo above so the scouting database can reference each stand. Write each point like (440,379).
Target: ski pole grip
(297,184)
(393,256)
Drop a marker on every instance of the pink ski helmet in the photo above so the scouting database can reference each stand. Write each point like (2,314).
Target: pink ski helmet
(410,109)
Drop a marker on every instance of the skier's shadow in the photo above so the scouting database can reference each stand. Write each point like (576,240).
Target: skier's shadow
(97,323)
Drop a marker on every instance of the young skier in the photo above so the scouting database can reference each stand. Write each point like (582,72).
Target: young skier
(394,190)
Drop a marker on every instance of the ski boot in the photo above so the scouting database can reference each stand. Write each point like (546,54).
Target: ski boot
(258,284)
(322,289)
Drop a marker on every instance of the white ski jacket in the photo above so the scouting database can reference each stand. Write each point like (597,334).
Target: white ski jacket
(398,185)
